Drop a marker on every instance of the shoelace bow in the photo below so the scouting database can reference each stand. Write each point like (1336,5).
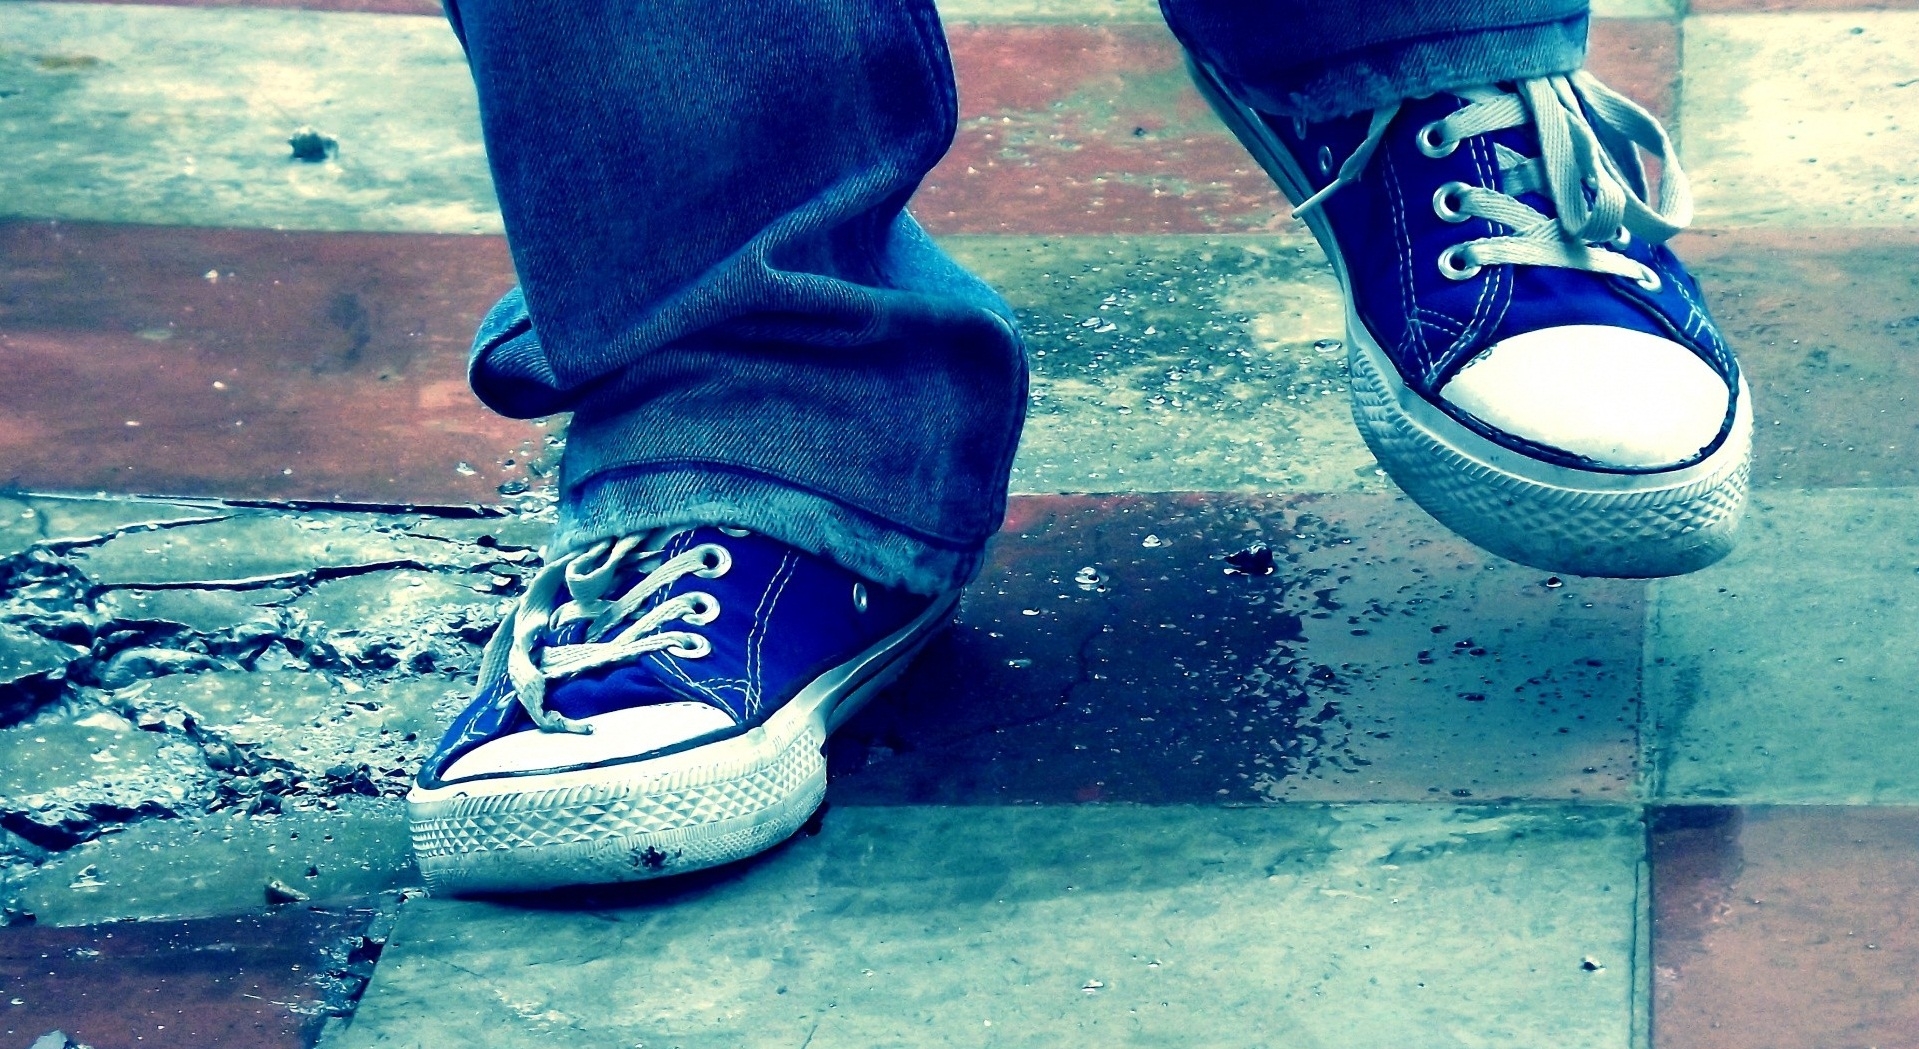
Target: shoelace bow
(1588,168)
(613,634)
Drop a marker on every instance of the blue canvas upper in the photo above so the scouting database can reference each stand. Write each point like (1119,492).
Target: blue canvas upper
(1432,326)
(786,617)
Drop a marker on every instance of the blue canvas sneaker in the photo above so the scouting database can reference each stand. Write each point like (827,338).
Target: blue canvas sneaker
(1528,360)
(656,707)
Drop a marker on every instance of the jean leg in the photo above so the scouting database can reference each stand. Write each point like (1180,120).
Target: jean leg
(1318,59)
(704,200)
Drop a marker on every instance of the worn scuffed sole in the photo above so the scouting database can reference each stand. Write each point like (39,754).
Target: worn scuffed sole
(681,812)
(1557,518)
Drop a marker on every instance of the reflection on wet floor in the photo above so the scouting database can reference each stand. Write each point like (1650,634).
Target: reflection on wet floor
(1229,745)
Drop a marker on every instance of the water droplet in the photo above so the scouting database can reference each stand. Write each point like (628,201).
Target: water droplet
(464,470)
(1088,578)
(1328,346)
(1029,611)
(1553,582)
(1092,986)
(1153,542)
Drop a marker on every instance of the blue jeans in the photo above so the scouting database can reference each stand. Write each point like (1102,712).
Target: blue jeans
(705,205)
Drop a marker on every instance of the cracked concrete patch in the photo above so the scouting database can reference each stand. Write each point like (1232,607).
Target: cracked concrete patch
(263,549)
(304,723)
(220,864)
(201,611)
(26,522)
(25,655)
(74,770)
(383,602)
(181,678)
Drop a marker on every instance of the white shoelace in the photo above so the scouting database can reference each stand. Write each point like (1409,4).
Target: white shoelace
(587,576)
(1589,168)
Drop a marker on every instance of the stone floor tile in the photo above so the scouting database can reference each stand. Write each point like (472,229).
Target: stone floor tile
(258,982)
(1178,364)
(1096,129)
(1061,926)
(1826,323)
(219,863)
(1784,673)
(954,11)
(1106,655)
(1064,128)
(314,366)
(384,7)
(1775,6)
(218,93)
(1206,365)
(1785,928)
(1089,129)
(1799,119)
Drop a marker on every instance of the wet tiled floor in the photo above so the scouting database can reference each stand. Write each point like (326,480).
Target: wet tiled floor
(1397,792)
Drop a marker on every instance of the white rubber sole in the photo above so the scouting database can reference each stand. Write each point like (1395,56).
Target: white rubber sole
(681,812)
(1552,517)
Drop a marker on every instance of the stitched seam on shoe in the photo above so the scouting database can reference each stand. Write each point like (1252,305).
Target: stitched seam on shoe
(1410,339)
(1474,324)
(756,639)
(1503,275)
(1435,319)
(680,672)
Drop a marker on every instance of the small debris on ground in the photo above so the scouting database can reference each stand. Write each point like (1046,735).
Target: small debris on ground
(312,147)
(279,892)
(1255,560)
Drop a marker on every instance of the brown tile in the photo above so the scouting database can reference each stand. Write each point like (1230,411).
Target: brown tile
(1638,57)
(1087,129)
(1382,660)
(1706,7)
(1096,129)
(1786,928)
(253,982)
(1827,327)
(317,366)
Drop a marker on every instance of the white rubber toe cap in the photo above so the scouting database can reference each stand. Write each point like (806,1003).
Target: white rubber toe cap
(616,734)
(1619,397)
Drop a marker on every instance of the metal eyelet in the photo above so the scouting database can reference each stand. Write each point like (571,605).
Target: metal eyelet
(1650,281)
(1448,199)
(706,608)
(1325,160)
(714,560)
(1453,264)
(1299,127)
(1432,143)
(859,597)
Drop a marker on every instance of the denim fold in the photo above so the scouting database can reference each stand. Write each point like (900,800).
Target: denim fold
(705,202)
(1320,60)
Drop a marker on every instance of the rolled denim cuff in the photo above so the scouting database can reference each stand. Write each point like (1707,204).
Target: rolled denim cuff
(1380,76)
(636,499)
